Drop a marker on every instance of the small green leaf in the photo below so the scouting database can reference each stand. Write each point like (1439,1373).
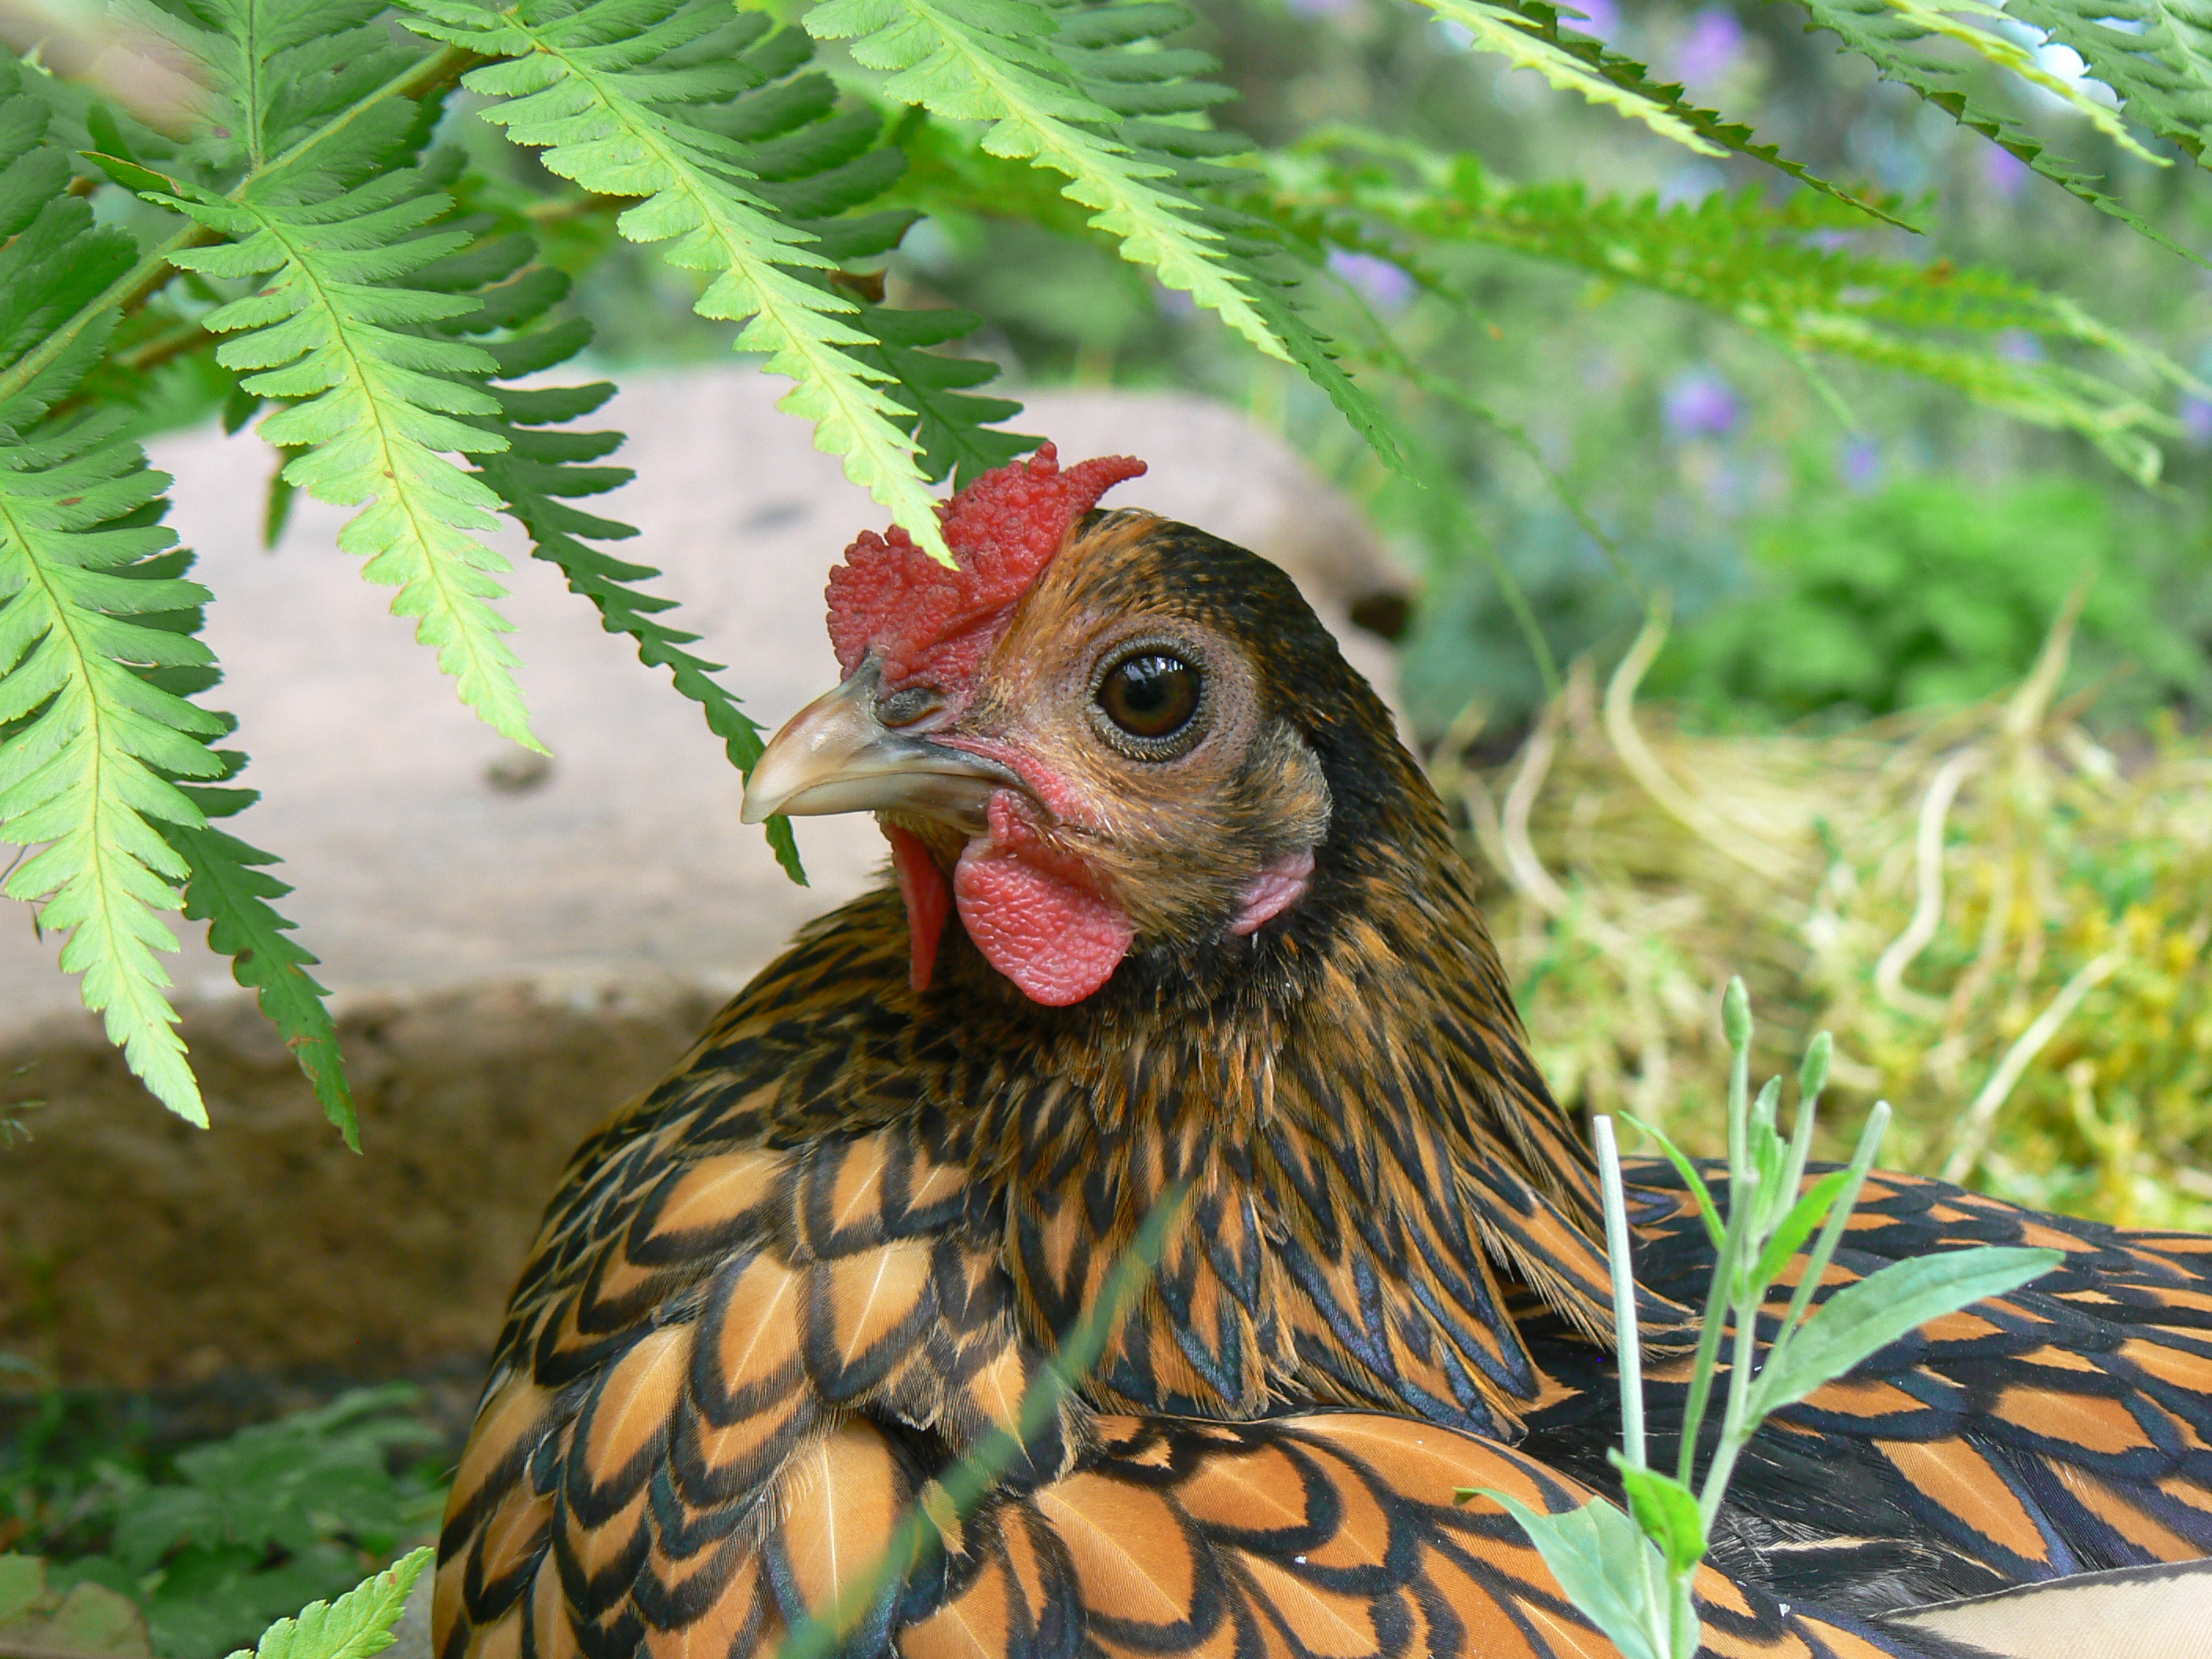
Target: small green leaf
(1597,1554)
(357,1626)
(227,889)
(1797,1226)
(1667,1511)
(1691,1179)
(1863,1318)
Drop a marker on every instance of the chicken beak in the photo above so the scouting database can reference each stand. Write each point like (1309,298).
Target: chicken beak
(836,754)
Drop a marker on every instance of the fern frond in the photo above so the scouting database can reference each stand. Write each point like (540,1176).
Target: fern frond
(1896,36)
(992,61)
(227,888)
(1765,266)
(602,89)
(537,473)
(53,260)
(2156,54)
(956,428)
(273,72)
(1085,91)
(93,735)
(331,326)
(89,774)
(357,1626)
(1528,34)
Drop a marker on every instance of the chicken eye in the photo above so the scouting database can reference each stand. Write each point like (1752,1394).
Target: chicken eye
(1151,694)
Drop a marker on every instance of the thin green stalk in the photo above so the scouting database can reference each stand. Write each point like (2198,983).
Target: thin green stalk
(1629,1339)
(969,1481)
(1735,1428)
(1812,1077)
(1733,1244)
(1388,355)
(1832,1233)
(1735,1025)
(153,271)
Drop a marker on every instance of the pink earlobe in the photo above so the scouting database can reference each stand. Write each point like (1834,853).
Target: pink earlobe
(928,903)
(1271,892)
(1055,941)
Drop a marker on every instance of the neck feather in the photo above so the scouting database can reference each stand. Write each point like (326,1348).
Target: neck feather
(1376,1179)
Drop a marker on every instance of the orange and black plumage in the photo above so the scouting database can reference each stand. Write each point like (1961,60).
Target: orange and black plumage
(1175,913)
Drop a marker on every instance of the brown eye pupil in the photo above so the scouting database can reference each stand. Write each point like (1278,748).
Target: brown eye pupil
(1151,694)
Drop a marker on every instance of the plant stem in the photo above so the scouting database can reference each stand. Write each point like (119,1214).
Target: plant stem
(1735,1429)
(1839,1215)
(1624,1292)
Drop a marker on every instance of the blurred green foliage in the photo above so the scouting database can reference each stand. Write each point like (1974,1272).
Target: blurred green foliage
(216,1541)
(1930,593)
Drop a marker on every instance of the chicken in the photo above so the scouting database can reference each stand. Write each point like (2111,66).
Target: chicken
(1176,920)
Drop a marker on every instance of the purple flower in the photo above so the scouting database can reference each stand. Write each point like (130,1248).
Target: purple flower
(1322,7)
(1387,287)
(1599,19)
(1699,404)
(1710,51)
(2017,346)
(2197,421)
(1859,461)
(2003,171)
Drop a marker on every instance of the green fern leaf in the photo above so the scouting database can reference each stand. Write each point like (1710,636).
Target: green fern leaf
(990,61)
(956,428)
(357,1626)
(88,775)
(1528,34)
(1897,40)
(537,473)
(582,84)
(1062,87)
(94,668)
(273,75)
(1752,260)
(2156,54)
(377,404)
(227,889)
(1086,91)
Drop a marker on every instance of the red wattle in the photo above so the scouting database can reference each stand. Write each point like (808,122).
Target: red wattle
(1056,940)
(928,901)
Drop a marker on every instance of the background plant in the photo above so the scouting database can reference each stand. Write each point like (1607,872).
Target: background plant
(210,1542)
(1632,1569)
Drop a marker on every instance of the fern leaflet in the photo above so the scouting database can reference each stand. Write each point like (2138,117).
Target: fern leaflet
(1086,91)
(228,888)
(2156,54)
(1528,34)
(992,61)
(91,740)
(951,424)
(537,473)
(331,326)
(275,70)
(1897,38)
(1756,262)
(89,773)
(592,87)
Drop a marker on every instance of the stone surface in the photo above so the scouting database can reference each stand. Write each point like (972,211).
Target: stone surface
(514,947)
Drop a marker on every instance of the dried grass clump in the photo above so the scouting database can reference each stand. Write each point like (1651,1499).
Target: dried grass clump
(2004,922)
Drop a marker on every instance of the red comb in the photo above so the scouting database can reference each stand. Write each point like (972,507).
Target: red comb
(891,598)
